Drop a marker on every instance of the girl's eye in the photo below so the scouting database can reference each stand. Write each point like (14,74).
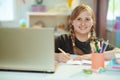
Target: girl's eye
(88,19)
(79,19)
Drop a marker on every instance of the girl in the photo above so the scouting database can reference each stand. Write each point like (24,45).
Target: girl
(82,24)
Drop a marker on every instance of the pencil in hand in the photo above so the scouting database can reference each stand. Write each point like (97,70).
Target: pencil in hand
(66,57)
(62,51)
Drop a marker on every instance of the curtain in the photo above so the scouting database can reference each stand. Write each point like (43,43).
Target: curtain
(101,8)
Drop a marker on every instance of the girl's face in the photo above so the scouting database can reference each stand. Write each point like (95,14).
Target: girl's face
(82,23)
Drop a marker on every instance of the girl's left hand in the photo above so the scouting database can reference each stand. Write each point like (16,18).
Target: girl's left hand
(86,57)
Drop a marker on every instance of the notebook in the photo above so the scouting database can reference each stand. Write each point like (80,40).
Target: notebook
(27,49)
(113,66)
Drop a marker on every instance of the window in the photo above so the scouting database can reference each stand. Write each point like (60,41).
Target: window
(6,10)
(113,12)
(113,27)
(113,9)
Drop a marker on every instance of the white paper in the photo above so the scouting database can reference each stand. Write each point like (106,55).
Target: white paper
(79,62)
(74,62)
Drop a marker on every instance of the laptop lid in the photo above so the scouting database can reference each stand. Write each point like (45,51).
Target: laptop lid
(28,49)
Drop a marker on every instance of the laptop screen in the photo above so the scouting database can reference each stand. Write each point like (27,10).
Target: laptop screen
(28,49)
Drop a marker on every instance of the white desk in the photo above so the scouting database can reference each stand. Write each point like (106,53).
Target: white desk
(63,72)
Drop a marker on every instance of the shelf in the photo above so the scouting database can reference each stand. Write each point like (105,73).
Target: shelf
(48,18)
(47,14)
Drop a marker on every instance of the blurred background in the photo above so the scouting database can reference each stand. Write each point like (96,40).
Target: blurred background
(55,14)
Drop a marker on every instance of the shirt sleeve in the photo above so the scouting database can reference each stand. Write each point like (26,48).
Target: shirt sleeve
(57,44)
(110,47)
(63,42)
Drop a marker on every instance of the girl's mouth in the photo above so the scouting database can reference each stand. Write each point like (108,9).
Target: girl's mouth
(82,28)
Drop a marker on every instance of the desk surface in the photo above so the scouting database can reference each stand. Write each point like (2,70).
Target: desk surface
(63,72)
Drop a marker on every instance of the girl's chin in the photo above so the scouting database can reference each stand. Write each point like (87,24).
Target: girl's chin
(83,32)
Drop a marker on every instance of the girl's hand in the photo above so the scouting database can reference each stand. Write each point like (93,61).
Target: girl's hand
(118,60)
(86,57)
(60,57)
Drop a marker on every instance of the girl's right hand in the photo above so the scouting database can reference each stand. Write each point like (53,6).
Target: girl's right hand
(60,57)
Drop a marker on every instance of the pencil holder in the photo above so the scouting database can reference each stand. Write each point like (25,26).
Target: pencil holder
(97,61)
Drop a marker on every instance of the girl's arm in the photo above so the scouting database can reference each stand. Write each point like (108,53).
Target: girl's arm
(111,54)
(108,55)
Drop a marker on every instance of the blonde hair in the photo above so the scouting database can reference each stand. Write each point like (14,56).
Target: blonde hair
(79,9)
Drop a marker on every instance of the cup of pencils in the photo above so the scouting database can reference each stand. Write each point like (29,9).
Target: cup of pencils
(97,60)
(98,49)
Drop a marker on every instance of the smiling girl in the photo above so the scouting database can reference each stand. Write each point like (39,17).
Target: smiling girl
(82,24)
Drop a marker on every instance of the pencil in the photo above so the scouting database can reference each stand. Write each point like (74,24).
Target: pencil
(62,51)
(107,42)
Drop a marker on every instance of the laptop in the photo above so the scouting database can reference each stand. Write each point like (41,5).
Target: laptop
(28,49)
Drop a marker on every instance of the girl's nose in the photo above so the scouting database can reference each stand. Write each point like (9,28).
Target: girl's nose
(83,23)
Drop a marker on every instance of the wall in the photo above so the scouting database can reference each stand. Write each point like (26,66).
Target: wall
(22,9)
(20,12)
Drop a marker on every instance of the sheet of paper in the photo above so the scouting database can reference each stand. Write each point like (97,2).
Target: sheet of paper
(73,62)
(76,62)
(81,62)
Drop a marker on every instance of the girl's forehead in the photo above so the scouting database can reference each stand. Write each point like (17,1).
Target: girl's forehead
(84,13)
